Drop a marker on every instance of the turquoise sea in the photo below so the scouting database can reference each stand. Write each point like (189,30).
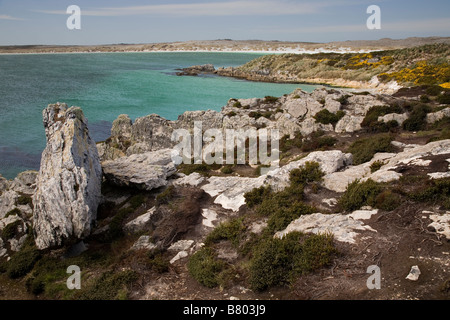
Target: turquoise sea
(105,85)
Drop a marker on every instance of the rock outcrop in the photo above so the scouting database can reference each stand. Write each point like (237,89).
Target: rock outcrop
(68,187)
(145,171)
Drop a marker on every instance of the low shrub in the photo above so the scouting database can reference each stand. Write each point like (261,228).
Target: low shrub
(278,261)
(270,99)
(375,166)
(22,262)
(387,200)
(359,194)
(282,217)
(310,172)
(417,118)
(286,143)
(371,122)
(10,230)
(257,195)
(231,230)
(204,267)
(231,114)
(109,286)
(317,141)
(13,212)
(444,98)
(437,190)
(326,117)
(227,169)
(157,262)
(364,149)
(137,200)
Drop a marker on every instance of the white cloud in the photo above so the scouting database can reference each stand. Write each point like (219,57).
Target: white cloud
(224,8)
(6,17)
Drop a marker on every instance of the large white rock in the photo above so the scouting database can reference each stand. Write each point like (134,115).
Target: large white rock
(68,187)
(441,223)
(147,171)
(343,227)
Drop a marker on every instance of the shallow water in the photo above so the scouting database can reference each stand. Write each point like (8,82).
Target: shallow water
(105,85)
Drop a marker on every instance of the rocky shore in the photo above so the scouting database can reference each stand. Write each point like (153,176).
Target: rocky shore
(365,175)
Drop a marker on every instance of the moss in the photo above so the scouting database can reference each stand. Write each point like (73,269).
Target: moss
(231,230)
(364,149)
(359,194)
(204,267)
(279,261)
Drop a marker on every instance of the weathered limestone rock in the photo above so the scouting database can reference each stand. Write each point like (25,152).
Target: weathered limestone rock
(121,126)
(441,224)
(140,223)
(400,118)
(146,171)
(343,227)
(68,187)
(349,123)
(436,116)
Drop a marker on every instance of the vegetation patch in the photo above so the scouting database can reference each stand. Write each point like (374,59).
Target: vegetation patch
(359,194)
(205,267)
(364,149)
(279,261)
(417,118)
(326,117)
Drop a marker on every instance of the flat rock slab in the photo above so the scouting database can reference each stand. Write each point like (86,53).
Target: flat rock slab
(146,171)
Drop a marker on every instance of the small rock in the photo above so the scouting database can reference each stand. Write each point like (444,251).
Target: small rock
(181,245)
(414,274)
(144,242)
(140,222)
(209,216)
(180,255)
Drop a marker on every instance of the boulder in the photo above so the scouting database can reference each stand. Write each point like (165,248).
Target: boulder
(68,187)
(145,171)
(121,127)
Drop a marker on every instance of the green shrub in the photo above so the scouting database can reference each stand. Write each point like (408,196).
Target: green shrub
(115,230)
(231,114)
(231,230)
(22,262)
(434,90)
(416,120)
(157,262)
(364,149)
(237,104)
(310,172)
(282,217)
(205,267)
(109,286)
(371,122)
(270,99)
(343,100)
(437,190)
(286,143)
(375,166)
(326,117)
(387,200)
(257,195)
(317,141)
(359,194)
(444,98)
(227,169)
(278,261)
(424,98)
(10,230)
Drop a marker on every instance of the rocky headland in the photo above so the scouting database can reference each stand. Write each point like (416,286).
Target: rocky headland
(362,180)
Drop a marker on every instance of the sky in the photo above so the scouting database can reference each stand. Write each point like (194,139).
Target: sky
(24,22)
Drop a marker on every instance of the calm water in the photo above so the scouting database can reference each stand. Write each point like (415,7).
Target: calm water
(105,85)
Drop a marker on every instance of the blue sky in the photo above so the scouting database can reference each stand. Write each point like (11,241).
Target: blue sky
(137,21)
